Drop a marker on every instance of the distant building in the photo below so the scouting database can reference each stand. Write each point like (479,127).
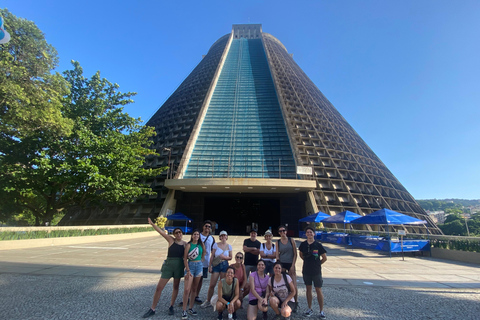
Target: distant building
(251,139)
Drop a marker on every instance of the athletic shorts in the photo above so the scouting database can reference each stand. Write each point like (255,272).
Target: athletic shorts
(172,268)
(221,267)
(316,279)
(196,268)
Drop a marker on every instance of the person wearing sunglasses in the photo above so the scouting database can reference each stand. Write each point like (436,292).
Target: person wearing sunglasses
(172,267)
(287,256)
(241,275)
(208,241)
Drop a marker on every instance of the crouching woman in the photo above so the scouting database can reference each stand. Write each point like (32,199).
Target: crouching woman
(228,294)
(281,291)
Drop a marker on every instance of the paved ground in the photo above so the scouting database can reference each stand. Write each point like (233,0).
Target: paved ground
(116,280)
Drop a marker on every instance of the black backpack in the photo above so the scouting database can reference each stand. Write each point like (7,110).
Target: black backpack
(284,279)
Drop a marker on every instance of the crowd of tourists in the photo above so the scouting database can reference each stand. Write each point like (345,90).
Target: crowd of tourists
(265,272)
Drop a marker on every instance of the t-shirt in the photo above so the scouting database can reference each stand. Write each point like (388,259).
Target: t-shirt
(280,289)
(312,257)
(270,251)
(250,258)
(260,285)
(208,247)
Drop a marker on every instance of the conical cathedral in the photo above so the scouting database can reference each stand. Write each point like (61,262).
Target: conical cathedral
(249,138)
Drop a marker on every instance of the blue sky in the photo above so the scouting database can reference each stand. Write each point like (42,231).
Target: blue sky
(405,74)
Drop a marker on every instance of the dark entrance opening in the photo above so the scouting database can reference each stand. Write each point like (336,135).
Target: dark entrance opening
(234,214)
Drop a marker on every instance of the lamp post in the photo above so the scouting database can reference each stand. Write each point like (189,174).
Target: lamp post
(169,155)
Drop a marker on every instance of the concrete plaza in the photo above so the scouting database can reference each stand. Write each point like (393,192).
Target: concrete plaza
(116,280)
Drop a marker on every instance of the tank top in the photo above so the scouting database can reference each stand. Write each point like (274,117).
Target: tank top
(285,251)
(175,251)
(195,252)
(239,274)
(228,290)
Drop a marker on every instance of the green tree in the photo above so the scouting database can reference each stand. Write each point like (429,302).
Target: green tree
(30,94)
(100,160)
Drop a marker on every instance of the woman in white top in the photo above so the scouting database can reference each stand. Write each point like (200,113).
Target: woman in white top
(221,254)
(268,252)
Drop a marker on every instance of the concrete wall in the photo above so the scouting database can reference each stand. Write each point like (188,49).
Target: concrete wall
(456,255)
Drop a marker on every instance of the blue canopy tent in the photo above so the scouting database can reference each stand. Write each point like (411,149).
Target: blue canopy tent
(179,216)
(387,217)
(342,217)
(316,217)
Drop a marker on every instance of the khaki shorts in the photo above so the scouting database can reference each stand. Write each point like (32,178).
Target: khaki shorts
(173,268)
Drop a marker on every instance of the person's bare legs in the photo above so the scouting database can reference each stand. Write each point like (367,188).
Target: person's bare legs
(186,291)
(176,286)
(213,284)
(158,292)
(274,302)
(309,295)
(252,312)
(193,291)
(319,297)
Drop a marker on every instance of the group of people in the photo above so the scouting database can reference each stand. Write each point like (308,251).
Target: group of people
(266,272)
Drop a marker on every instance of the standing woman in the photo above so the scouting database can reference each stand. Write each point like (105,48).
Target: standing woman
(281,292)
(287,255)
(228,294)
(172,267)
(192,259)
(241,275)
(221,254)
(257,300)
(268,253)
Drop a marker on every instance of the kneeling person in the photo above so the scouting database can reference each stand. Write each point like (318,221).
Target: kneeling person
(228,294)
(281,291)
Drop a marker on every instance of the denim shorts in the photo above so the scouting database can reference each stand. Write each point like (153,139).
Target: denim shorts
(222,267)
(196,268)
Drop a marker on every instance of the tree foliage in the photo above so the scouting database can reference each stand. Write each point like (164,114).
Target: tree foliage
(30,95)
(455,225)
(65,140)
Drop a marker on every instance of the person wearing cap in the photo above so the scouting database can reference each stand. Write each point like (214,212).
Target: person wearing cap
(221,254)
(251,247)
(268,252)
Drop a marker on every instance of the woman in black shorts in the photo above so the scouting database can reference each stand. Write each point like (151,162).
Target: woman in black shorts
(172,267)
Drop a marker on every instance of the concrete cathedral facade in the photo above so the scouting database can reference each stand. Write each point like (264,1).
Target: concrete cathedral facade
(249,138)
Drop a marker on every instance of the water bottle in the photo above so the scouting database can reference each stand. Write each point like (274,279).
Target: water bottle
(230,316)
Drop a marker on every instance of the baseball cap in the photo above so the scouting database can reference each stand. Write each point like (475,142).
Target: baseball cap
(268,232)
(223,232)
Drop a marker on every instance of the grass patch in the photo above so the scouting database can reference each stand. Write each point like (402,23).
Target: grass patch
(22,235)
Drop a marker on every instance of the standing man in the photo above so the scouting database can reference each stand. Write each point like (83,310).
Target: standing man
(251,247)
(208,241)
(313,255)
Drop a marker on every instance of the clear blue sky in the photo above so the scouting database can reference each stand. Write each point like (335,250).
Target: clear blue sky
(405,74)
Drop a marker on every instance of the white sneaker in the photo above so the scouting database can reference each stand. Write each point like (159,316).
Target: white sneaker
(205,304)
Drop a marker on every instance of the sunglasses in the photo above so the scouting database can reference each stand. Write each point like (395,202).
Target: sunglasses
(207,226)
(237,257)
(282,230)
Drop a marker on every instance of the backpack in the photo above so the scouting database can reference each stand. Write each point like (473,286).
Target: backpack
(284,279)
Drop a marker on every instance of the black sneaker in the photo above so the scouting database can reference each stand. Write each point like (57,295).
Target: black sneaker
(192,312)
(234,316)
(171,311)
(295,308)
(149,313)
(184,315)
(198,300)
(265,316)
(220,316)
